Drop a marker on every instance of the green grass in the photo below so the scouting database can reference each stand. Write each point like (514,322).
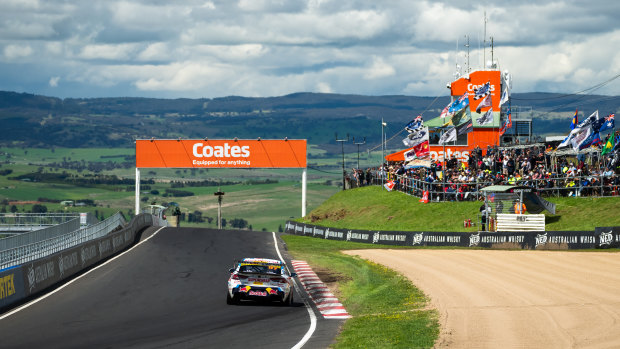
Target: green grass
(388,311)
(371,208)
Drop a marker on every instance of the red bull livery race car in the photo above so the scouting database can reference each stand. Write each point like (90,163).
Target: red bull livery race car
(260,279)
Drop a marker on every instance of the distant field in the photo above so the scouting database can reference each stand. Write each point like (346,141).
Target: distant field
(264,206)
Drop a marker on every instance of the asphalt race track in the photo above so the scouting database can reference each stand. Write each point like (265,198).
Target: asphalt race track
(167,292)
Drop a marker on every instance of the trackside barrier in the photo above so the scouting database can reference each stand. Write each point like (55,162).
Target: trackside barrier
(25,253)
(41,234)
(520,222)
(601,237)
(19,282)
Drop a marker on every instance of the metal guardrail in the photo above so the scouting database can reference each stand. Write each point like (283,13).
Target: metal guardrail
(29,252)
(39,235)
(35,219)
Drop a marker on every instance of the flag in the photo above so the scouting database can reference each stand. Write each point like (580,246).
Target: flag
(566,140)
(505,89)
(409,155)
(467,127)
(417,137)
(459,104)
(486,102)
(389,185)
(422,150)
(457,118)
(617,141)
(483,91)
(582,138)
(448,136)
(588,121)
(596,139)
(608,123)
(591,122)
(415,124)
(486,118)
(444,112)
(574,123)
(609,146)
(507,124)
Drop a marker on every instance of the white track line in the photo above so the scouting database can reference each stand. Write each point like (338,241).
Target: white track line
(34,301)
(312,328)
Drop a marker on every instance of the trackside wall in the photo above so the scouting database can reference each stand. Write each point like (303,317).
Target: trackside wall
(20,282)
(602,237)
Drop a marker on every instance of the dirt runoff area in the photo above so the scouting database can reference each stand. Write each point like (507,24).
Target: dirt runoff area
(516,299)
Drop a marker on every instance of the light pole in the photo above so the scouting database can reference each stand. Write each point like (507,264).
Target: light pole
(383,125)
(342,144)
(219,193)
(358,150)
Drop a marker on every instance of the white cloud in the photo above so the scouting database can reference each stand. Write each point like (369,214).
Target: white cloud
(269,47)
(54,81)
(379,69)
(323,87)
(13,52)
(155,52)
(107,51)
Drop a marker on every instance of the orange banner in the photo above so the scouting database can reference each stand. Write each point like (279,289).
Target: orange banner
(269,153)
(475,80)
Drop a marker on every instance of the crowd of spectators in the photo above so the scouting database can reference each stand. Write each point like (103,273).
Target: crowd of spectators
(528,165)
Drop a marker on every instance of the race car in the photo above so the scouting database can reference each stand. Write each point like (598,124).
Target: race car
(260,279)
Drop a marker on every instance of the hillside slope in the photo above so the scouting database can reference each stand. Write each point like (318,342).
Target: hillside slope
(371,208)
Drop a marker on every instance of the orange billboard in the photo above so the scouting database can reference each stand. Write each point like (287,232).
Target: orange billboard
(237,153)
(475,80)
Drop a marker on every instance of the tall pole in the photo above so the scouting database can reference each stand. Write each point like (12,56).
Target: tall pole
(304,184)
(467,45)
(358,151)
(484,46)
(343,171)
(219,195)
(137,204)
(383,124)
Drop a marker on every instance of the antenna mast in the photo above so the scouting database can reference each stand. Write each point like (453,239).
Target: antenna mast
(484,49)
(467,45)
(492,59)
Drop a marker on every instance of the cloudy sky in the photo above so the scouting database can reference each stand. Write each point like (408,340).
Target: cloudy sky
(214,48)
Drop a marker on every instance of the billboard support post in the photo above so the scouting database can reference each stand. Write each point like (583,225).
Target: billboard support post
(137,191)
(221,153)
(304,182)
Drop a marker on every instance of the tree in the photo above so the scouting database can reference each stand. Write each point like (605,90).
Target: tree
(13,208)
(280,228)
(37,208)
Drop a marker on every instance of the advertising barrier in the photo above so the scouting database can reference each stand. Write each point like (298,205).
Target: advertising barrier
(28,279)
(607,237)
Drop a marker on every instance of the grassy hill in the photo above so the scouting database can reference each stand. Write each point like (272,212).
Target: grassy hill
(371,208)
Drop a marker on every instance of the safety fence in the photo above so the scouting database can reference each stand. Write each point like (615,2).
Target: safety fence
(593,186)
(30,237)
(601,237)
(23,253)
(24,280)
(35,219)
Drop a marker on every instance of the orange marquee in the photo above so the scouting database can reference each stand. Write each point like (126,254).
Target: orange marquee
(269,153)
